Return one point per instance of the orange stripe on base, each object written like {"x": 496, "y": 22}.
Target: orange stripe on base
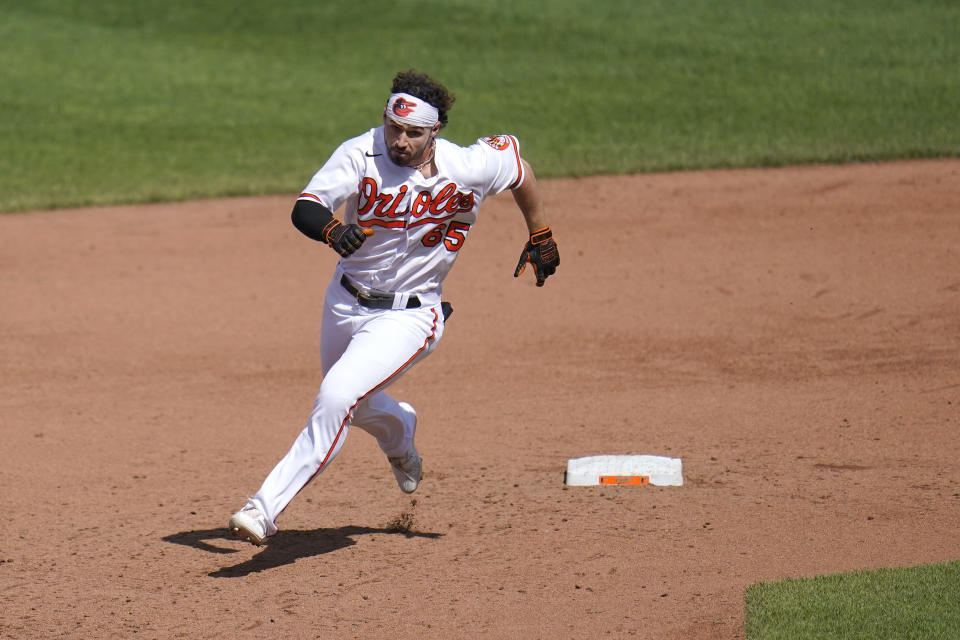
{"x": 624, "y": 479}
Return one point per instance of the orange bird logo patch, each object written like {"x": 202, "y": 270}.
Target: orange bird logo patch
{"x": 403, "y": 108}
{"x": 498, "y": 142}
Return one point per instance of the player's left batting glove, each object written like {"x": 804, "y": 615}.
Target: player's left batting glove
{"x": 344, "y": 238}
{"x": 540, "y": 251}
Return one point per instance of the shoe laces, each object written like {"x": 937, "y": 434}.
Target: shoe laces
{"x": 256, "y": 514}
{"x": 403, "y": 461}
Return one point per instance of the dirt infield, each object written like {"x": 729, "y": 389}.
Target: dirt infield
{"x": 793, "y": 335}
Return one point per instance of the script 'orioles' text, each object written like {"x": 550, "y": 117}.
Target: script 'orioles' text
{"x": 387, "y": 205}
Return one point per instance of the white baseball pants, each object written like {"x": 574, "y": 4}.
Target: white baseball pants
{"x": 363, "y": 351}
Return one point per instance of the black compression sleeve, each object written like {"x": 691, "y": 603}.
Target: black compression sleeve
{"x": 311, "y": 217}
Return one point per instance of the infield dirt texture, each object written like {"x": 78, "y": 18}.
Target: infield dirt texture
{"x": 791, "y": 334}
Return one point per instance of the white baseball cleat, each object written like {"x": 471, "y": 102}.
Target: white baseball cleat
{"x": 251, "y": 525}
{"x": 407, "y": 470}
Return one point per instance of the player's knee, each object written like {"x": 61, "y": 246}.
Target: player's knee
{"x": 336, "y": 400}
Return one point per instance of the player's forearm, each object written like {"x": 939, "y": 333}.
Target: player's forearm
{"x": 311, "y": 219}
{"x": 529, "y": 200}
{"x": 316, "y": 221}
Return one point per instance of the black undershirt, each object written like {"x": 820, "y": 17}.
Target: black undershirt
{"x": 310, "y": 218}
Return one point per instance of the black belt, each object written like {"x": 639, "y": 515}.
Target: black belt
{"x": 375, "y": 300}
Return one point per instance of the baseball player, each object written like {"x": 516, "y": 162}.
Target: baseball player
{"x": 410, "y": 201}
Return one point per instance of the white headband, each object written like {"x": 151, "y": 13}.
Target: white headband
{"x": 410, "y": 110}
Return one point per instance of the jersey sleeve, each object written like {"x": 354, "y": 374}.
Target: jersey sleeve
{"x": 501, "y": 159}
{"x": 337, "y": 179}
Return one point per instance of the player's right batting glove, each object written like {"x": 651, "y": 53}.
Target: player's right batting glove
{"x": 540, "y": 251}
{"x": 344, "y": 238}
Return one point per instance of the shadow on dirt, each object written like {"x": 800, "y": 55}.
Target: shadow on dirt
{"x": 284, "y": 548}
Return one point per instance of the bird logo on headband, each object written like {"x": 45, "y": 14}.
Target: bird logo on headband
{"x": 403, "y": 108}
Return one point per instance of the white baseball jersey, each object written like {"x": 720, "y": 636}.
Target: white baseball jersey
{"x": 419, "y": 223}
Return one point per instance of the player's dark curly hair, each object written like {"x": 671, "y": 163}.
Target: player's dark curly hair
{"x": 426, "y": 88}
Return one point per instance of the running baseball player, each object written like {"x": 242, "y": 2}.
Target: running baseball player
{"x": 411, "y": 200}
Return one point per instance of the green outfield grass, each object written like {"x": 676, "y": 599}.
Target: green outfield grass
{"x": 108, "y": 101}
{"x": 919, "y": 603}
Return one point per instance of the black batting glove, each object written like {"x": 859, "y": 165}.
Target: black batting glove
{"x": 344, "y": 238}
{"x": 540, "y": 251}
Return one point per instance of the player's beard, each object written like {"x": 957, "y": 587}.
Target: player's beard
{"x": 410, "y": 158}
